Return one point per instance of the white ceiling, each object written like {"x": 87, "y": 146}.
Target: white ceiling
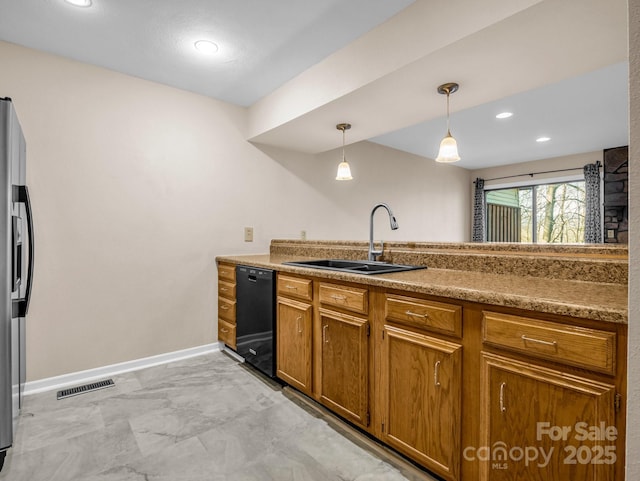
{"x": 302, "y": 66}
{"x": 586, "y": 113}
{"x": 262, "y": 44}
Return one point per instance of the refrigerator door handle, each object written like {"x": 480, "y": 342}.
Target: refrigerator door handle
{"x": 21, "y": 306}
{"x": 16, "y": 254}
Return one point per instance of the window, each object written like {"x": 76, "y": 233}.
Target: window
{"x": 546, "y": 213}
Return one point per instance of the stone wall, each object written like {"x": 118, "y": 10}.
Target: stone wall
{"x": 616, "y": 195}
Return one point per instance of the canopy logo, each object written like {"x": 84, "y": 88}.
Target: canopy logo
{"x": 499, "y": 454}
{"x": 595, "y": 451}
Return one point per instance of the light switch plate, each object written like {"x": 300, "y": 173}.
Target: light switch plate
{"x": 248, "y": 234}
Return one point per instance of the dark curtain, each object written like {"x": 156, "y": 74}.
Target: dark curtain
{"x": 592, "y": 220}
{"x": 477, "y": 235}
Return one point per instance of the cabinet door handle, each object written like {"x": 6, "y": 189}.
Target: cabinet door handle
{"x": 539, "y": 341}
{"x": 436, "y": 373}
{"x": 338, "y": 298}
{"x": 224, "y": 330}
{"x": 503, "y": 408}
{"x": 415, "y": 314}
{"x": 324, "y": 333}
{"x": 224, "y": 308}
{"x": 298, "y": 324}
{"x": 291, "y": 287}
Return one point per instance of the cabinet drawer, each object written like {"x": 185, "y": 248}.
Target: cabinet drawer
{"x": 578, "y": 346}
{"x": 227, "y": 310}
{"x": 227, "y": 289}
{"x": 227, "y": 272}
{"x": 295, "y": 287}
{"x": 227, "y": 333}
{"x": 350, "y": 298}
{"x": 423, "y": 314}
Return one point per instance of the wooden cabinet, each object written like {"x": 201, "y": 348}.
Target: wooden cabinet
{"x": 350, "y": 298}
{"x": 343, "y": 352}
{"x": 294, "y": 343}
{"x": 323, "y": 345}
{"x": 227, "y": 333}
{"x": 532, "y": 411}
{"x": 465, "y": 392}
{"x": 345, "y": 365}
{"x": 421, "y": 398}
{"x": 227, "y": 304}
{"x": 295, "y": 287}
{"x": 578, "y": 346}
{"x": 566, "y": 417}
{"x": 424, "y": 314}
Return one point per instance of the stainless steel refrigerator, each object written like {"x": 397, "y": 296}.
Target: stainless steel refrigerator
{"x": 16, "y": 270}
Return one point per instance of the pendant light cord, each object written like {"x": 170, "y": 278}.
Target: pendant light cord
{"x": 343, "y": 156}
{"x": 448, "y": 130}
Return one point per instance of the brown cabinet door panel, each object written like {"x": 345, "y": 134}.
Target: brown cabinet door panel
{"x": 345, "y": 365}
{"x": 293, "y": 362}
{"x": 422, "y": 382}
{"x": 547, "y": 413}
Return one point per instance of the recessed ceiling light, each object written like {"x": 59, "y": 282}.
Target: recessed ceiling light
{"x": 206, "y": 47}
{"x": 504, "y": 115}
{"x": 543, "y": 139}
{"x": 79, "y": 3}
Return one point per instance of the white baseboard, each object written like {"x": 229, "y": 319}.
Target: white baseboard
{"x": 81, "y": 377}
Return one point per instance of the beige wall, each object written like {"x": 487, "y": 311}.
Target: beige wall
{"x": 633, "y": 402}
{"x": 137, "y": 187}
{"x": 430, "y": 200}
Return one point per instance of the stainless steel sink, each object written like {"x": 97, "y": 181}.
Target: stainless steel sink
{"x": 355, "y": 267}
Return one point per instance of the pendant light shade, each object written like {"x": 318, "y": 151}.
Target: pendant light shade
{"x": 344, "y": 171}
{"x": 448, "y": 150}
{"x": 448, "y": 147}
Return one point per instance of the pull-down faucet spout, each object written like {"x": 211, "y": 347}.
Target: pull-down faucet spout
{"x": 373, "y": 254}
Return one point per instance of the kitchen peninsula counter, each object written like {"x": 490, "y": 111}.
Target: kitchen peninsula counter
{"x": 558, "y": 293}
{"x": 509, "y": 335}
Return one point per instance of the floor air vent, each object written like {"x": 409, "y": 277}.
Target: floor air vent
{"x": 94, "y": 386}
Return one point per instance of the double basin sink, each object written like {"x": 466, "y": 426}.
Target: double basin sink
{"x": 354, "y": 267}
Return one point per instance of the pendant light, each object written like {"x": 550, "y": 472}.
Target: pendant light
{"x": 344, "y": 171}
{"x": 448, "y": 147}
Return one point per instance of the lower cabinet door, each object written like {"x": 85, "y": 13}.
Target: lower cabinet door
{"x": 293, "y": 343}
{"x": 345, "y": 365}
{"x": 540, "y": 424}
{"x": 421, "y": 388}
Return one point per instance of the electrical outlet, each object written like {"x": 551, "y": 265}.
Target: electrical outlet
{"x": 248, "y": 234}
{"x": 303, "y": 234}
{"x": 610, "y": 234}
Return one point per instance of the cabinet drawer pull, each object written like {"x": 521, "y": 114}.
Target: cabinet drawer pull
{"x": 224, "y": 308}
{"x": 298, "y": 324}
{"x": 291, "y": 287}
{"x": 338, "y": 298}
{"x": 539, "y": 341}
{"x": 415, "y": 314}
{"x": 224, "y": 330}
{"x": 224, "y": 289}
{"x": 503, "y": 408}
{"x": 436, "y": 373}
{"x": 324, "y": 333}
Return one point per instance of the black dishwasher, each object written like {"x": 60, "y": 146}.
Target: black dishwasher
{"x": 256, "y": 317}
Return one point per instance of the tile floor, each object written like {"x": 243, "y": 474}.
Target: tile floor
{"x": 208, "y": 418}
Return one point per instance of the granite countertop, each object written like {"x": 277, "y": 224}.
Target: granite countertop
{"x": 591, "y": 300}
